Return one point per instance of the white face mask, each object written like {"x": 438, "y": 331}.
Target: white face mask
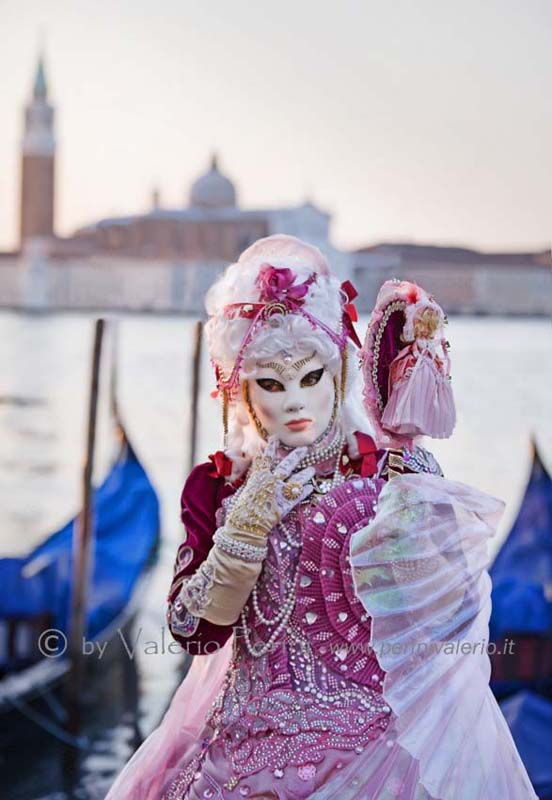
{"x": 294, "y": 399}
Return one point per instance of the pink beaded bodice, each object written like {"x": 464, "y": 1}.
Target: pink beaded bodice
{"x": 302, "y": 678}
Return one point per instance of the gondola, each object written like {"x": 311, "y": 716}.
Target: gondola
{"x": 522, "y": 593}
{"x": 35, "y": 590}
{"x": 521, "y": 628}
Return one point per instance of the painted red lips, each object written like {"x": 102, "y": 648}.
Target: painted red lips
{"x": 298, "y": 424}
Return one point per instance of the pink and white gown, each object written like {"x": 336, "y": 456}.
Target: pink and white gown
{"x": 358, "y": 668}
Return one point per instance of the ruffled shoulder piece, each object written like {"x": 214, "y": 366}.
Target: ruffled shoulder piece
{"x": 420, "y": 570}
{"x": 332, "y": 617}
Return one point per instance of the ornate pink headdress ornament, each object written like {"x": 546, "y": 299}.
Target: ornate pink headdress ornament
{"x": 280, "y": 294}
{"x": 406, "y": 366}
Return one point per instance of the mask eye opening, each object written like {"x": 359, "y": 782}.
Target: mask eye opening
{"x": 312, "y": 378}
{"x": 270, "y": 384}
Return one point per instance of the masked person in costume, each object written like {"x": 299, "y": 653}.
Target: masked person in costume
{"x": 324, "y": 573}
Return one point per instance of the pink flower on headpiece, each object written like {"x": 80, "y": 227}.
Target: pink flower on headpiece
{"x": 413, "y": 293}
{"x": 276, "y": 285}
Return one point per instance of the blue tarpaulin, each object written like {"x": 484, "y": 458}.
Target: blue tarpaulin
{"x": 126, "y": 533}
{"x": 522, "y": 570}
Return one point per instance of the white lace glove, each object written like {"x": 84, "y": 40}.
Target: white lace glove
{"x": 221, "y": 585}
{"x": 269, "y": 493}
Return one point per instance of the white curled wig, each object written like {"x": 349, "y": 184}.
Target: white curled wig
{"x": 281, "y": 331}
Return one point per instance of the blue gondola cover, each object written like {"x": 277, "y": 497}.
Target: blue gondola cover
{"x": 126, "y": 535}
{"x": 522, "y": 570}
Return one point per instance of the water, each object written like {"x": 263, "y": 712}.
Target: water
{"x": 501, "y": 378}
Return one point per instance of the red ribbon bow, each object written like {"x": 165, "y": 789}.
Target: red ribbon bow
{"x": 368, "y": 455}
{"x": 350, "y": 314}
{"x": 221, "y": 463}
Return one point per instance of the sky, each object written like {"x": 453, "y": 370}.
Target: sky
{"x": 426, "y": 121}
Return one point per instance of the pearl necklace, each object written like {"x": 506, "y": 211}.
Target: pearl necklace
{"x": 322, "y": 453}
{"x": 323, "y": 485}
{"x": 255, "y": 592}
{"x": 272, "y": 620}
{"x": 281, "y": 619}
{"x": 284, "y": 614}
{"x": 289, "y": 536}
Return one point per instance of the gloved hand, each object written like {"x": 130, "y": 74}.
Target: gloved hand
{"x": 269, "y": 493}
{"x": 219, "y": 588}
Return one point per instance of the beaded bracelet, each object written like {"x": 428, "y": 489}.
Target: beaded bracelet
{"x": 247, "y": 552}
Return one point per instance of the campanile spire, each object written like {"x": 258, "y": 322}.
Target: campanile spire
{"x": 38, "y": 161}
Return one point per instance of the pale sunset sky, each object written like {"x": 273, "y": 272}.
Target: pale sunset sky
{"x": 428, "y": 121}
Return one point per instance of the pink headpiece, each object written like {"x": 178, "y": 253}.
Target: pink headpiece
{"x": 280, "y": 294}
{"x": 406, "y": 366}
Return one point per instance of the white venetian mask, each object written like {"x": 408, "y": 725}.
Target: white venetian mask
{"x": 292, "y": 397}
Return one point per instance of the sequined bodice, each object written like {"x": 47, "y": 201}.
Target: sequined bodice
{"x": 287, "y": 682}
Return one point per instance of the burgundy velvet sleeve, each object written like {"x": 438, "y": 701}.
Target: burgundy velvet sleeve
{"x": 201, "y": 496}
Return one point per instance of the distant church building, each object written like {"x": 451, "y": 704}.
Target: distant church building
{"x": 164, "y": 259}
{"x": 211, "y": 228}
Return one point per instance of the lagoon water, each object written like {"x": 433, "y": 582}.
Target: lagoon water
{"x": 503, "y": 388}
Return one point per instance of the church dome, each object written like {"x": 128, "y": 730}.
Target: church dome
{"x": 213, "y": 189}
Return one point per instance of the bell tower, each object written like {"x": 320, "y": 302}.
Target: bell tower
{"x": 37, "y": 163}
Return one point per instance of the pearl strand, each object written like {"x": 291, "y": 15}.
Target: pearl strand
{"x": 289, "y": 536}
{"x": 257, "y": 652}
{"x": 255, "y": 592}
{"x": 336, "y": 480}
{"x": 323, "y": 453}
{"x": 281, "y": 619}
{"x": 337, "y": 477}
{"x": 265, "y": 620}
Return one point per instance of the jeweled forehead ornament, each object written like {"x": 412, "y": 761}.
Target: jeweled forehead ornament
{"x": 279, "y": 293}
{"x": 289, "y": 371}
{"x": 286, "y": 356}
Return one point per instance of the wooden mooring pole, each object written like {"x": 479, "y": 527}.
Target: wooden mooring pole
{"x": 196, "y": 373}
{"x": 83, "y": 539}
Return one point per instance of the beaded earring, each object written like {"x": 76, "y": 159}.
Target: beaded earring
{"x": 261, "y": 430}
{"x": 343, "y": 374}
{"x": 225, "y": 418}
{"x": 335, "y": 402}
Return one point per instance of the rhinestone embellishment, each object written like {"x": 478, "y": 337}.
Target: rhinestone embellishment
{"x": 306, "y": 772}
